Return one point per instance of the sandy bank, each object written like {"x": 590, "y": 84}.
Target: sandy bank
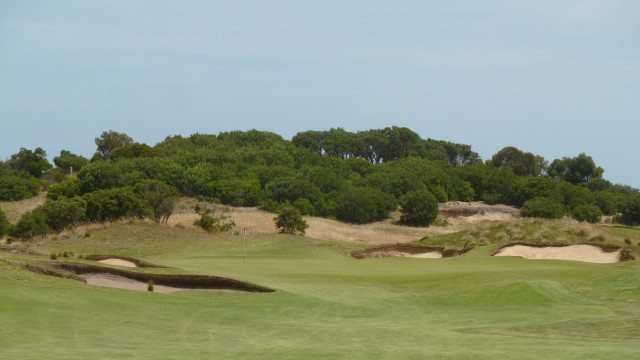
{"x": 586, "y": 253}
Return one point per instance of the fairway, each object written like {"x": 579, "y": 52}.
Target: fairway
{"x": 326, "y": 304}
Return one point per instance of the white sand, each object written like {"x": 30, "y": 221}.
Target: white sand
{"x": 118, "y": 262}
{"x": 586, "y": 253}
{"x": 393, "y": 253}
{"x": 119, "y": 282}
{"x": 427, "y": 255}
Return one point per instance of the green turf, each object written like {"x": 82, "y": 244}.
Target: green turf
{"x": 327, "y": 305}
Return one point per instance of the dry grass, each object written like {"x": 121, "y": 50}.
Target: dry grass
{"x": 15, "y": 209}
{"x": 256, "y": 221}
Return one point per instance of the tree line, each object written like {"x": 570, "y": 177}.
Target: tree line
{"x": 356, "y": 177}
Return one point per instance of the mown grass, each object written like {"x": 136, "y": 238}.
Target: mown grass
{"x": 327, "y": 304}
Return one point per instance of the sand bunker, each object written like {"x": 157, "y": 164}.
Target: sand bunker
{"x": 427, "y": 255}
{"x": 118, "y": 262}
{"x": 586, "y": 253}
{"x": 403, "y": 250}
{"x": 120, "y": 282}
{"x": 126, "y": 279}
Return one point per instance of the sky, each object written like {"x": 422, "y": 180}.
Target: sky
{"x": 555, "y": 78}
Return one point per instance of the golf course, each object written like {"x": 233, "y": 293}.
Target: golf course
{"x": 326, "y": 304}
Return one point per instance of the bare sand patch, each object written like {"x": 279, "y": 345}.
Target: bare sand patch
{"x": 118, "y": 262}
{"x": 404, "y": 250}
{"x": 392, "y": 253}
{"x": 477, "y": 211}
{"x": 585, "y": 253}
{"x": 427, "y": 255}
{"x": 121, "y": 282}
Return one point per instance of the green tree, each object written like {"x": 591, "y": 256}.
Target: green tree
{"x": 290, "y": 221}
{"x": 238, "y": 192}
{"x": 547, "y": 208}
{"x": 34, "y": 162}
{"x": 364, "y": 205}
{"x": 289, "y": 189}
{"x": 310, "y": 140}
{"x": 160, "y": 198}
{"x": 419, "y": 208}
{"x": 111, "y": 140}
{"x": 630, "y": 211}
{"x": 68, "y": 161}
{"x": 521, "y": 163}
{"x": 133, "y": 150}
{"x": 575, "y": 170}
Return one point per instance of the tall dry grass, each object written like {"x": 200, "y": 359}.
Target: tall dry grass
{"x": 15, "y": 209}
{"x": 256, "y": 221}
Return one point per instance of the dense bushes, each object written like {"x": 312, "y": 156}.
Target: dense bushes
{"x": 64, "y": 212}
{"x": 419, "y": 208}
{"x": 4, "y": 224}
{"x": 30, "y": 225}
{"x": 547, "y": 208}
{"x": 364, "y": 205}
{"x": 354, "y": 177}
{"x": 114, "y": 204}
{"x": 15, "y": 187}
{"x": 630, "y": 211}
{"x": 587, "y": 212}
{"x": 68, "y": 188}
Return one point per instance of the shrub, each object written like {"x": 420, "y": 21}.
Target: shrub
{"x": 630, "y": 211}
{"x": 30, "y": 225}
{"x": 160, "y": 198}
{"x": 114, "y": 204}
{"x": 439, "y": 192}
{"x": 64, "y": 212}
{"x": 214, "y": 218}
{"x": 419, "y": 208}
{"x": 4, "y": 224}
{"x": 364, "y": 205}
{"x": 15, "y": 187}
{"x": 305, "y": 206}
{"x": 238, "y": 192}
{"x": 68, "y": 188}
{"x": 589, "y": 213}
{"x": 290, "y": 221}
{"x": 542, "y": 208}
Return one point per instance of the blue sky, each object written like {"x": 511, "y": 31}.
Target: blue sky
{"x": 555, "y": 78}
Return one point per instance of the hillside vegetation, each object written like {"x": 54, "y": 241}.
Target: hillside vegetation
{"x": 357, "y": 177}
